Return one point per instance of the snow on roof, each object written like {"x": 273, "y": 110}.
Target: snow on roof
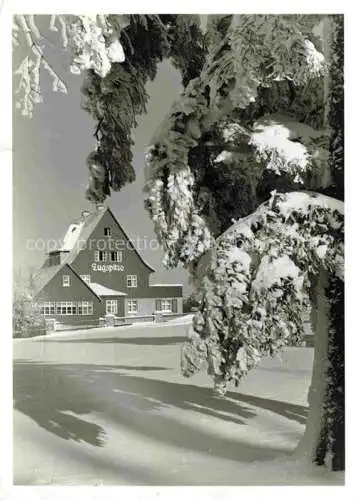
{"x": 43, "y": 276}
{"x": 72, "y": 235}
{"x": 103, "y": 290}
{"x": 86, "y": 228}
{"x": 78, "y": 232}
{"x": 166, "y": 284}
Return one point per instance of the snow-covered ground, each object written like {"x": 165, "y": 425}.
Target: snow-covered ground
{"x": 109, "y": 406}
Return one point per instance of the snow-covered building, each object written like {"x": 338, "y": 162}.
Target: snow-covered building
{"x": 98, "y": 271}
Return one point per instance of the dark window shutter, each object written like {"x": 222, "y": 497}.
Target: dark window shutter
{"x": 158, "y": 305}
{"x": 174, "y": 305}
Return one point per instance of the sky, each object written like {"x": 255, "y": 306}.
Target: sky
{"x": 50, "y": 173}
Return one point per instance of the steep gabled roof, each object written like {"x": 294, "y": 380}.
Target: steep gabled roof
{"x": 45, "y": 275}
{"x": 80, "y": 231}
{"x": 126, "y": 236}
{"x": 84, "y": 229}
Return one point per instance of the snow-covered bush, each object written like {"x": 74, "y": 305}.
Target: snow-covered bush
{"x": 26, "y": 318}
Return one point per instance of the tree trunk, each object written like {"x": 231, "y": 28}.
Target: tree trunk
{"x": 323, "y": 442}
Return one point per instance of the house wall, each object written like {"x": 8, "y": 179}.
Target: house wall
{"x": 131, "y": 263}
{"x": 146, "y": 307}
{"x": 120, "y": 306}
{"x": 164, "y": 292}
{"x": 83, "y": 264}
{"x": 54, "y": 291}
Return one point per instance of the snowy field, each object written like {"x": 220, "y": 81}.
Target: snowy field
{"x": 109, "y": 406}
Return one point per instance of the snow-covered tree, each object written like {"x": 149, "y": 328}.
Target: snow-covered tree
{"x": 26, "y": 317}
{"x": 260, "y": 117}
{"x": 244, "y": 178}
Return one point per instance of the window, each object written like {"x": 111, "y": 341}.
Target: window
{"x": 100, "y": 256}
{"x": 66, "y": 280}
{"x": 52, "y": 308}
{"x": 85, "y": 308}
{"x": 131, "y": 281}
{"x": 116, "y": 256}
{"x": 107, "y": 231}
{"x": 132, "y": 306}
{"x": 66, "y": 308}
{"x": 86, "y": 278}
{"x": 47, "y": 308}
{"x": 111, "y": 307}
{"x": 166, "y": 305}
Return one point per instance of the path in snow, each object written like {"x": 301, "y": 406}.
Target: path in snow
{"x": 110, "y": 407}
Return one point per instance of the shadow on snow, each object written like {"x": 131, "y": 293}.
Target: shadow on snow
{"x": 57, "y": 396}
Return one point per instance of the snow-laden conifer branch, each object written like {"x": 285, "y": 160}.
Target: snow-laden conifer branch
{"x": 257, "y": 283}
{"x": 117, "y": 99}
{"x": 257, "y": 52}
{"x": 260, "y": 50}
{"x": 94, "y": 44}
{"x": 29, "y": 86}
{"x": 287, "y": 146}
